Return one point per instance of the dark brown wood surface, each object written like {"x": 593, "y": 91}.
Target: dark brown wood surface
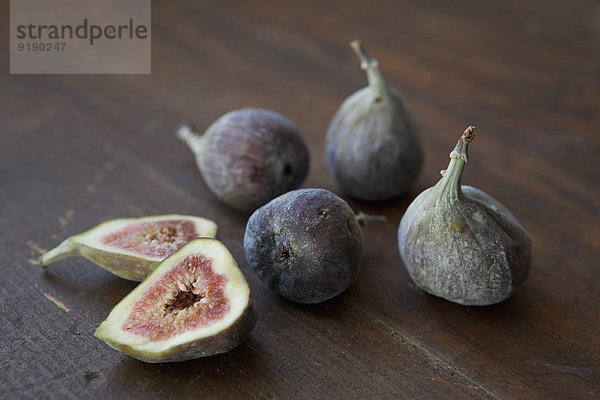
{"x": 78, "y": 150}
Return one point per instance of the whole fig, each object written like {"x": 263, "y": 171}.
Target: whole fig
{"x": 249, "y": 156}
{"x": 305, "y": 244}
{"x": 372, "y": 145}
{"x": 461, "y": 244}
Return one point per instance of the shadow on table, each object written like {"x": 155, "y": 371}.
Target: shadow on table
{"x": 244, "y": 369}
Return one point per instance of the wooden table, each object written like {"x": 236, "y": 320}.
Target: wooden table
{"x": 78, "y": 150}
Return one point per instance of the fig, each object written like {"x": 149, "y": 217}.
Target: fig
{"x": 132, "y": 247}
{"x": 249, "y": 156}
{"x": 306, "y": 245}
{"x": 196, "y": 303}
{"x": 461, "y": 244}
{"x": 372, "y": 145}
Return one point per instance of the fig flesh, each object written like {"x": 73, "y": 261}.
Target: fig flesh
{"x": 372, "y": 145}
{"x": 461, "y": 244}
{"x": 196, "y": 303}
{"x": 249, "y": 156}
{"x": 306, "y": 245}
{"x": 132, "y": 247}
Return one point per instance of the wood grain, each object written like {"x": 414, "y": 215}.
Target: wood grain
{"x": 77, "y": 150}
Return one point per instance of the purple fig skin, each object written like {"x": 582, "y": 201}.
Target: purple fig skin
{"x": 306, "y": 245}
{"x": 250, "y": 156}
{"x": 372, "y": 145}
{"x": 461, "y": 244}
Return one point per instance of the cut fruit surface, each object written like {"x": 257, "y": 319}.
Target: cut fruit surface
{"x": 152, "y": 238}
{"x": 132, "y": 247}
{"x": 196, "y": 303}
{"x": 190, "y": 295}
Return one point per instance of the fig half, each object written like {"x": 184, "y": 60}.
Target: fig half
{"x": 132, "y": 247}
{"x": 196, "y": 303}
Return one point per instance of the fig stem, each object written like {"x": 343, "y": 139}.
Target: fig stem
{"x": 451, "y": 178}
{"x": 364, "y": 219}
{"x": 185, "y": 132}
{"x": 371, "y": 66}
{"x": 64, "y": 250}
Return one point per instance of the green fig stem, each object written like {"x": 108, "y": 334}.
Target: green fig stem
{"x": 192, "y": 139}
{"x": 451, "y": 177}
{"x": 371, "y": 66}
{"x": 364, "y": 219}
{"x": 64, "y": 250}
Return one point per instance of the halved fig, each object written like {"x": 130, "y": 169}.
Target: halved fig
{"x": 132, "y": 247}
{"x": 196, "y": 303}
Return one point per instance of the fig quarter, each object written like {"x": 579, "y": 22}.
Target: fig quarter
{"x": 132, "y": 247}
{"x": 196, "y": 303}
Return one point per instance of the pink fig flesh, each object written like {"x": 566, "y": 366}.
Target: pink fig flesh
{"x": 196, "y": 303}
{"x": 182, "y": 301}
{"x": 132, "y": 247}
{"x": 153, "y": 239}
